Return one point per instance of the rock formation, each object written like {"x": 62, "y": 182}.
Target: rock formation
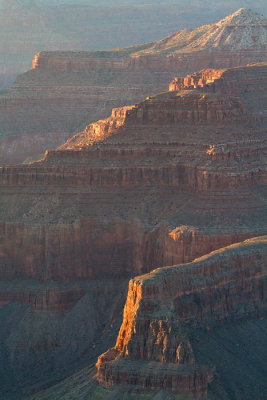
{"x": 196, "y": 80}
{"x": 28, "y": 26}
{"x": 193, "y": 148}
{"x": 65, "y": 91}
{"x": 162, "y": 182}
{"x": 153, "y": 349}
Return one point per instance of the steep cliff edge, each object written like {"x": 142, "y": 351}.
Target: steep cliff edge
{"x": 232, "y": 81}
{"x": 159, "y": 110}
{"x": 166, "y": 174}
{"x": 57, "y": 25}
{"x": 172, "y": 178}
{"x": 165, "y": 305}
{"x": 65, "y": 91}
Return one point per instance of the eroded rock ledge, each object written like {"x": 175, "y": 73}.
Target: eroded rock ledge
{"x": 66, "y": 90}
{"x": 153, "y": 348}
{"x": 198, "y": 79}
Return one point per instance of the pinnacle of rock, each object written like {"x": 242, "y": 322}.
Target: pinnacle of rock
{"x": 242, "y": 30}
{"x": 243, "y": 16}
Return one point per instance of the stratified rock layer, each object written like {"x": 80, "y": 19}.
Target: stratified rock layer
{"x": 65, "y": 91}
{"x": 150, "y": 185}
{"x": 196, "y": 80}
{"x": 164, "y": 305}
{"x": 172, "y": 178}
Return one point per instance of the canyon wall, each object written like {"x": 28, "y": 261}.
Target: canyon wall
{"x": 91, "y": 250}
{"x": 125, "y": 186}
{"x": 164, "y": 305}
{"x": 49, "y": 330}
{"x": 172, "y": 178}
{"x": 67, "y": 90}
{"x": 162, "y": 110}
{"x": 232, "y": 82}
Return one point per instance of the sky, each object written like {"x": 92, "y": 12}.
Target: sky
{"x": 30, "y": 26}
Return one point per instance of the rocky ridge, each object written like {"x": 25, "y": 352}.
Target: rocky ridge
{"x": 164, "y": 305}
{"x": 57, "y": 25}
{"x": 155, "y": 184}
{"x": 65, "y": 91}
{"x": 195, "y": 142}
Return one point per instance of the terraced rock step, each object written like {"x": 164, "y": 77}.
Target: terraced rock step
{"x": 154, "y": 185}
{"x": 67, "y": 90}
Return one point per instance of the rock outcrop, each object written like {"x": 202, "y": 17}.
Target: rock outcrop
{"x": 192, "y": 151}
{"x": 65, "y": 91}
{"x": 172, "y": 178}
{"x": 160, "y": 110}
{"x": 153, "y": 347}
{"x": 53, "y": 25}
{"x": 196, "y": 80}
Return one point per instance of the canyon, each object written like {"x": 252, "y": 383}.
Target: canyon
{"x": 153, "y": 349}
{"x": 29, "y": 26}
{"x": 67, "y": 90}
{"x": 170, "y": 179}
{"x": 131, "y": 177}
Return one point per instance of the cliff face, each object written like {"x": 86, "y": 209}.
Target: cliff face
{"x": 141, "y": 187}
{"x": 172, "y": 178}
{"x": 163, "y": 306}
{"x": 90, "y": 249}
{"x": 65, "y": 91}
{"x": 243, "y": 81}
{"x": 160, "y": 110}
{"x": 198, "y": 79}
{"x": 53, "y": 25}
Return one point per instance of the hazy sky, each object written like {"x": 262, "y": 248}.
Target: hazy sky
{"x": 30, "y": 26}
{"x": 215, "y": 4}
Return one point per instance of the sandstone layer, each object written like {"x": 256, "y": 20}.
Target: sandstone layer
{"x": 162, "y": 182}
{"x": 165, "y": 174}
{"x": 65, "y": 91}
{"x": 153, "y": 349}
{"x": 28, "y": 26}
{"x": 196, "y": 80}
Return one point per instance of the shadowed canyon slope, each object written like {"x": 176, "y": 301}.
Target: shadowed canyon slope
{"x": 209, "y": 313}
{"x": 153, "y": 348}
{"x": 162, "y": 182}
{"x": 67, "y": 90}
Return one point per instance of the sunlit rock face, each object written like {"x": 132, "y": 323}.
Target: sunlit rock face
{"x": 147, "y": 186}
{"x": 162, "y": 182}
{"x": 196, "y": 80}
{"x": 65, "y": 90}
{"x": 153, "y": 349}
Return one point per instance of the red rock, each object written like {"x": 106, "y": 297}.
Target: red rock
{"x": 196, "y": 80}
{"x": 156, "y": 190}
{"x": 164, "y": 305}
{"x": 65, "y": 91}
{"x": 154, "y": 184}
